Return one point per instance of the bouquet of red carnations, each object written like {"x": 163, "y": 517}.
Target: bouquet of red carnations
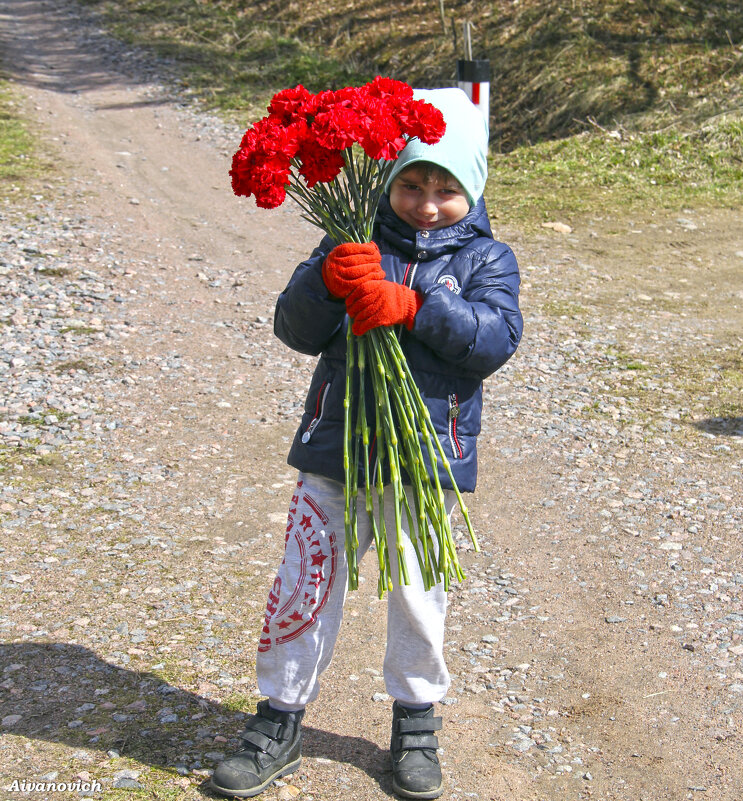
{"x": 332, "y": 152}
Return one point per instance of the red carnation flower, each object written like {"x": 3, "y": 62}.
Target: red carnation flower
{"x": 271, "y": 195}
{"x": 262, "y": 165}
{"x": 388, "y": 88}
{"x": 319, "y": 164}
{"x": 423, "y": 120}
{"x": 379, "y": 133}
{"x": 336, "y": 128}
{"x": 286, "y": 106}
{"x": 316, "y": 104}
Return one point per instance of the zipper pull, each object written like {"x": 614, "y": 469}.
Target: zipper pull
{"x": 453, "y": 407}
{"x": 321, "y": 395}
{"x": 308, "y": 433}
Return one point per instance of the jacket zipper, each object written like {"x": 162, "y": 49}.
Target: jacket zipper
{"x": 410, "y": 271}
{"x": 456, "y": 448}
{"x": 319, "y": 409}
{"x": 407, "y": 280}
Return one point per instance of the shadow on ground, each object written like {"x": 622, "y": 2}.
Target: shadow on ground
{"x": 721, "y": 426}
{"x": 67, "y": 694}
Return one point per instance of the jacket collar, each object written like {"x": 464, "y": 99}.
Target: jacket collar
{"x": 433, "y": 243}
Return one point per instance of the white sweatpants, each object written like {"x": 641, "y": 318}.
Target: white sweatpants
{"x": 305, "y": 605}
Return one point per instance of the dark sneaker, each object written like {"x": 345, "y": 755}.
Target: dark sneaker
{"x": 271, "y": 748}
{"x": 415, "y": 767}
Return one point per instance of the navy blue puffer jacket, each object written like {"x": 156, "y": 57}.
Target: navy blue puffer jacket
{"x": 468, "y": 326}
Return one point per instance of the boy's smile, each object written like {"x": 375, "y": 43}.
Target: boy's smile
{"x": 427, "y": 202}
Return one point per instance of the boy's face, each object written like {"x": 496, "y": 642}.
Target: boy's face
{"x": 427, "y": 203}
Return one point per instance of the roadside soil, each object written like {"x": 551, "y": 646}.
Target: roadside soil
{"x": 596, "y": 646}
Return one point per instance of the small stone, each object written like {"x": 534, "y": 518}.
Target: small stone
{"x": 127, "y": 784}
{"x": 614, "y": 619}
{"x": 380, "y": 697}
{"x": 127, "y": 773}
{"x": 558, "y": 227}
{"x": 11, "y": 720}
{"x": 522, "y": 745}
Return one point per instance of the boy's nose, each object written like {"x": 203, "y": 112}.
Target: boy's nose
{"x": 427, "y": 206}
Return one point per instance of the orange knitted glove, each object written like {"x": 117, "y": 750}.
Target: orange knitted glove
{"x": 377, "y": 303}
{"x": 349, "y": 265}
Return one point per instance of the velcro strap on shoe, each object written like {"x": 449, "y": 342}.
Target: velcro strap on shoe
{"x": 261, "y": 742}
{"x": 418, "y": 742}
{"x": 265, "y": 726}
{"x": 405, "y": 725}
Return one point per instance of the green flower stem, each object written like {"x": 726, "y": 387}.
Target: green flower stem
{"x": 352, "y": 182}
{"x": 380, "y": 545}
{"x": 427, "y": 417}
{"x": 447, "y": 549}
{"x": 351, "y": 548}
{"x": 385, "y": 580}
{"x": 379, "y": 377}
{"x": 410, "y": 458}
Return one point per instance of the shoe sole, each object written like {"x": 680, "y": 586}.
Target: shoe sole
{"x": 249, "y": 793}
{"x": 426, "y": 794}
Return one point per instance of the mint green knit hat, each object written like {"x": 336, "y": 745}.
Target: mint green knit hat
{"x": 462, "y": 150}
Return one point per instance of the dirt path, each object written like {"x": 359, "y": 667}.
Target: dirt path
{"x": 597, "y": 645}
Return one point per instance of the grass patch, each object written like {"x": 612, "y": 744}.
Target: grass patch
{"x": 687, "y": 386}
{"x": 620, "y": 359}
{"x": 726, "y": 381}
{"x": 605, "y": 173}
{"x": 239, "y": 702}
{"x": 73, "y": 366}
{"x": 20, "y": 165}
{"x": 53, "y": 272}
{"x": 79, "y": 330}
{"x": 555, "y": 64}
{"x": 42, "y": 418}
{"x": 563, "y": 308}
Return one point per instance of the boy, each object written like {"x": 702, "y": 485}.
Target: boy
{"x": 435, "y": 271}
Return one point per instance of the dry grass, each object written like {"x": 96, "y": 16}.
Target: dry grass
{"x": 554, "y": 65}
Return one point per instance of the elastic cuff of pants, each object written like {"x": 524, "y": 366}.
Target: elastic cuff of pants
{"x": 280, "y": 706}
{"x": 413, "y": 706}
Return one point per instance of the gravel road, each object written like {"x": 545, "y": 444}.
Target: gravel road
{"x": 596, "y": 646}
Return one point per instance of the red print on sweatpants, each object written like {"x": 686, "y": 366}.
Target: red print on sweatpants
{"x": 314, "y": 552}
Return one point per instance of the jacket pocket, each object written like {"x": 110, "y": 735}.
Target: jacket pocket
{"x": 322, "y": 395}
{"x": 456, "y": 448}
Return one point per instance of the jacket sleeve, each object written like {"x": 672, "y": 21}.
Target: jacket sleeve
{"x": 480, "y": 328}
{"x": 306, "y": 315}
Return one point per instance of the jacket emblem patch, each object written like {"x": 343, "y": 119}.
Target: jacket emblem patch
{"x": 451, "y": 283}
